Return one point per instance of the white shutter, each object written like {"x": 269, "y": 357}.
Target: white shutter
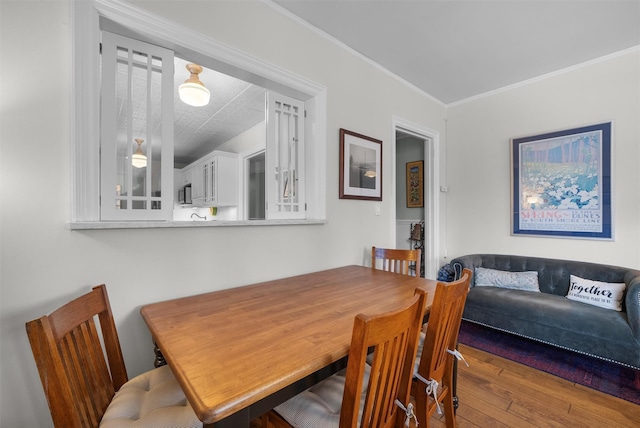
{"x": 136, "y": 103}
{"x": 285, "y": 175}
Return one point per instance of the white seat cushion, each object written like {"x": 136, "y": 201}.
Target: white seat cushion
{"x": 319, "y": 406}
{"x": 153, "y": 399}
{"x": 419, "y": 353}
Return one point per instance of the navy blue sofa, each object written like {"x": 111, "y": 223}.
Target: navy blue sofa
{"x": 551, "y": 317}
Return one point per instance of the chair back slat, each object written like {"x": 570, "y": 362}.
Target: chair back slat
{"x": 394, "y": 355}
{"x": 68, "y": 348}
{"x": 393, "y": 336}
{"x": 88, "y": 373}
{"x": 405, "y": 262}
{"x": 78, "y": 382}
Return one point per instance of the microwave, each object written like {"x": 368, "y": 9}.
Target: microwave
{"x": 184, "y": 195}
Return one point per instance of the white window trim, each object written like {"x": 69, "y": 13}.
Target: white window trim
{"x": 85, "y": 209}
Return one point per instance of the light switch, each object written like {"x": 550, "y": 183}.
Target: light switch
{"x": 377, "y": 208}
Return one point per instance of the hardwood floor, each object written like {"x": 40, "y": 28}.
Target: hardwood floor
{"x": 496, "y": 392}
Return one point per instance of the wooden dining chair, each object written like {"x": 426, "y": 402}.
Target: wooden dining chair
{"x": 371, "y": 394}
{"x": 83, "y": 388}
{"x": 394, "y": 260}
{"x": 433, "y": 382}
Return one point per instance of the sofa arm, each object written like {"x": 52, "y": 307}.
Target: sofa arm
{"x": 467, "y": 262}
{"x": 632, "y": 304}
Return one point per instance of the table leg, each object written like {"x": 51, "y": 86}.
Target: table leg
{"x": 159, "y": 361}
{"x": 239, "y": 419}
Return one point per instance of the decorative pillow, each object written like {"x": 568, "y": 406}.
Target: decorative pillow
{"x": 603, "y": 294}
{"x": 526, "y": 281}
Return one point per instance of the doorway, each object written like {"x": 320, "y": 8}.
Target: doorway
{"x": 255, "y": 179}
{"x": 409, "y": 211}
{"x": 411, "y": 143}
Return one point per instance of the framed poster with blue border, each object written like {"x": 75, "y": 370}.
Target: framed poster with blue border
{"x": 561, "y": 183}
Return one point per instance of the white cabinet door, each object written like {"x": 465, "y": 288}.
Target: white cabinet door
{"x": 210, "y": 180}
{"x": 226, "y": 182}
{"x": 186, "y": 176}
{"x": 215, "y": 180}
{"x": 197, "y": 183}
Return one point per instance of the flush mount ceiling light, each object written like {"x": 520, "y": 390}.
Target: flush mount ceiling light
{"x": 192, "y": 91}
{"x": 139, "y": 160}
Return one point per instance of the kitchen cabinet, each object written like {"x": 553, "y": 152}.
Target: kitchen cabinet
{"x": 197, "y": 185}
{"x": 215, "y": 180}
{"x": 186, "y": 176}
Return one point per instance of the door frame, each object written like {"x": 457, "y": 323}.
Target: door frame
{"x": 243, "y": 179}
{"x": 431, "y": 189}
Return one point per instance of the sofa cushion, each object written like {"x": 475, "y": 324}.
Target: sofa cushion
{"x": 555, "y": 312}
{"x": 555, "y": 320}
{"x": 525, "y": 281}
{"x": 603, "y": 294}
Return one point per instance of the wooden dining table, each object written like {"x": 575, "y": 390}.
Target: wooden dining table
{"x": 239, "y": 352}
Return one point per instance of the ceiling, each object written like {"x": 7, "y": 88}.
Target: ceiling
{"x": 452, "y": 50}
{"x": 235, "y": 107}
{"x": 455, "y": 49}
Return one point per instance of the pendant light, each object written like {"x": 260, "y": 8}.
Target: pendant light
{"x": 192, "y": 91}
{"x": 139, "y": 160}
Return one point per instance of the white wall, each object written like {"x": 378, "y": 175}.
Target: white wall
{"x": 43, "y": 264}
{"x": 478, "y": 159}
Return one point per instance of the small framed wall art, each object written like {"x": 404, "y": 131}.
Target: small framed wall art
{"x": 415, "y": 184}
{"x": 561, "y": 183}
{"x": 360, "y": 167}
